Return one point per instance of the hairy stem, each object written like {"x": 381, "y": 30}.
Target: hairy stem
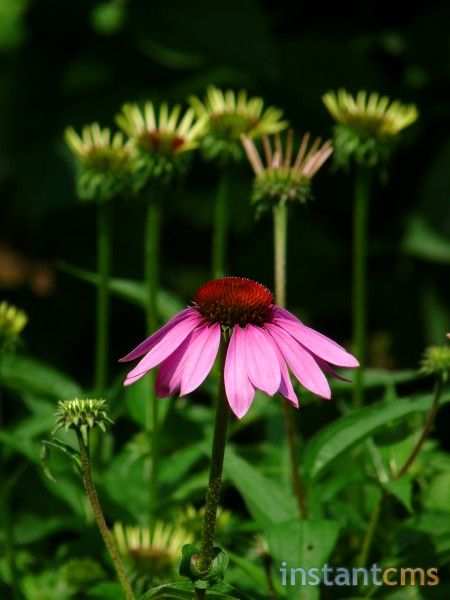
{"x": 220, "y": 226}
{"x": 215, "y": 474}
{"x": 429, "y": 420}
{"x": 280, "y": 221}
{"x": 100, "y": 519}
{"x": 104, "y": 245}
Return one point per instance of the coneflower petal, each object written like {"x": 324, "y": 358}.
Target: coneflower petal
{"x": 203, "y": 347}
{"x": 239, "y": 390}
{"x": 151, "y": 341}
{"x": 300, "y": 361}
{"x": 314, "y": 341}
{"x": 286, "y": 388}
{"x": 263, "y": 368}
{"x": 168, "y": 380}
{"x": 165, "y": 346}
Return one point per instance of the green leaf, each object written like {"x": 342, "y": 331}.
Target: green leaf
{"x": 185, "y": 591}
{"x": 167, "y": 303}
{"x": 402, "y": 489}
{"x": 265, "y": 499}
{"x": 106, "y": 591}
{"x": 46, "y": 446}
{"x": 29, "y": 375}
{"x": 423, "y": 242}
{"x": 300, "y": 544}
{"x": 374, "y": 378}
{"x": 348, "y": 431}
{"x": 30, "y": 528}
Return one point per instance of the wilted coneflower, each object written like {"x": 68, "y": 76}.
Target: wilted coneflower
{"x": 104, "y": 162}
{"x": 281, "y": 175}
{"x": 367, "y": 128}
{"x": 104, "y": 166}
{"x": 162, "y": 140}
{"x": 367, "y": 125}
{"x": 229, "y": 115}
{"x": 152, "y": 553}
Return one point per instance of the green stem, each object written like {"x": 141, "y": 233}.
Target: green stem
{"x": 100, "y": 519}
{"x": 215, "y": 474}
{"x": 360, "y": 238}
{"x": 151, "y": 268}
{"x": 104, "y": 244}
{"x": 280, "y": 223}
{"x": 429, "y": 420}
{"x": 220, "y": 226}
{"x": 280, "y": 220}
{"x": 370, "y": 532}
{"x": 5, "y": 507}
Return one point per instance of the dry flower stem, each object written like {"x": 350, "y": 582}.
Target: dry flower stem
{"x": 100, "y": 519}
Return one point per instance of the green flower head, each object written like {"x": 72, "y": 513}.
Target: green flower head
{"x": 436, "y": 361}
{"x": 229, "y": 116}
{"x": 162, "y": 140}
{"x": 12, "y": 322}
{"x": 367, "y": 125}
{"x": 104, "y": 163}
{"x": 280, "y": 175}
{"x": 82, "y": 416}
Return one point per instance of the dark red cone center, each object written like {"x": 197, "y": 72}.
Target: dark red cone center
{"x": 234, "y": 301}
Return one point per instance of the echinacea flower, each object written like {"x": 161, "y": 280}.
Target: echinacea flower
{"x": 162, "y": 140}
{"x": 229, "y": 116}
{"x": 281, "y": 176}
{"x": 104, "y": 162}
{"x": 366, "y": 125}
{"x": 82, "y": 415}
{"x": 263, "y": 342}
{"x": 436, "y": 361}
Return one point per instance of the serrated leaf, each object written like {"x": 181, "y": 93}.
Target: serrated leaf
{"x": 348, "y": 431}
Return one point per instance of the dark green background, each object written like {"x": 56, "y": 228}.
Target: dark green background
{"x": 74, "y": 62}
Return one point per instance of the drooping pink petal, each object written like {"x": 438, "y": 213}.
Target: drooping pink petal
{"x": 151, "y": 341}
{"x": 200, "y": 356}
{"x": 329, "y": 370}
{"x": 317, "y": 343}
{"x": 168, "y": 379}
{"x": 263, "y": 368}
{"x": 285, "y": 388}
{"x": 239, "y": 390}
{"x": 165, "y": 346}
{"x": 300, "y": 361}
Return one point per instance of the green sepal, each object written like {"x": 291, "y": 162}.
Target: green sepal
{"x": 215, "y": 573}
{"x": 46, "y": 446}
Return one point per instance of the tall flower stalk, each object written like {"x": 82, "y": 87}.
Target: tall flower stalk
{"x": 258, "y": 340}
{"x": 163, "y": 142}
{"x": 82, "y": 416}
{"x": 279, "y": 180}
{"x": 365, "y": 134}
{"x": 103, "y": 173}
{"x": 228, "y": 116}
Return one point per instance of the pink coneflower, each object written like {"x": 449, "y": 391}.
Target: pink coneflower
{"x": 264, "y": 341}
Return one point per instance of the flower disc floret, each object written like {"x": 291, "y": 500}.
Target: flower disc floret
{"x": 232, "y": 301}
{"x": 262, "y": 342}
{"x": 436, "y": 361}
